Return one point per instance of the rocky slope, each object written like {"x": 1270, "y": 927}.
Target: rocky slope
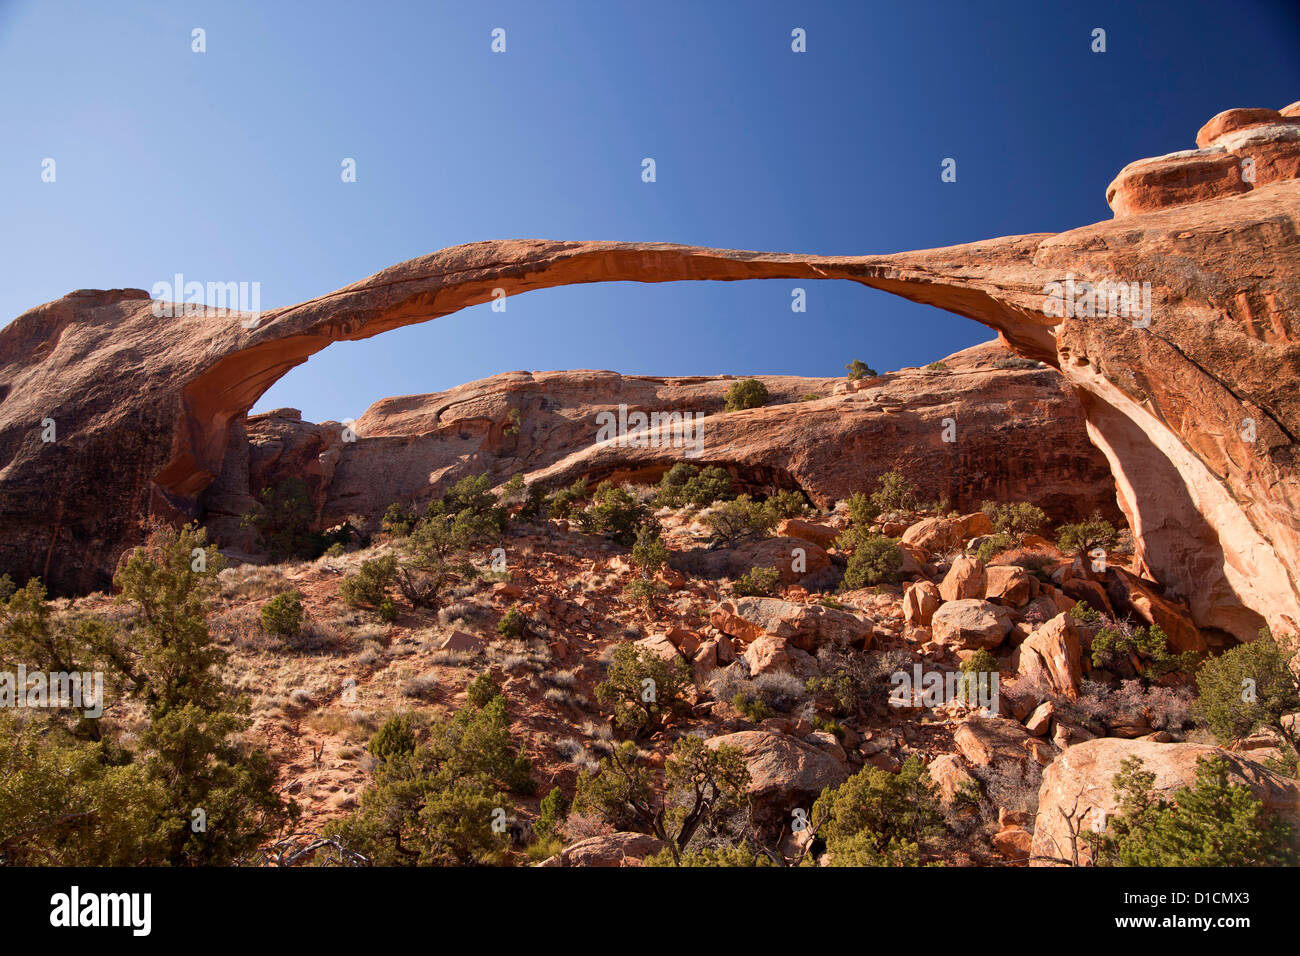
{"x": 1018, "y": 434}
{"x": 1055, "y": 734}
{"x": 1196, "y": 412}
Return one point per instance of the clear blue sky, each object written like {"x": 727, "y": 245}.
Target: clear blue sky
{"x": 225, "y": 165}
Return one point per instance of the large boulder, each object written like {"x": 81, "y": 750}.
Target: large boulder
{"x": 934, "y": 535}
{"x": 920, "y": 601}
{"x": 785, "y": 773}
{"x": 1009, "y": 586}
{"x": 612, "y": 849}
{"x": 805, "y": 626}
{"x": 1052, "y": 650}
{"x": 970, "y": 624}
{"x": 1079, "y": 782}
{"x": 992, "y": 741}
{"x": 965, "y": 579}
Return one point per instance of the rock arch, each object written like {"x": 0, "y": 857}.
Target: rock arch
{"x": 145, "y": 405}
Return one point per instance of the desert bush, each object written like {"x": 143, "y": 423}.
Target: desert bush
{"x": 1087, "y": 536}
{"x": 877, "y": 818}
{"x": 1211, "y": 823}
{"x": 649, "y": 553}
{"x": 741, "y": 518}
{"x": 1114, "y": 644}
{"x": 433, "y": 802}
{"x": 757, "y": 582}
{"x": 283, "y": 520}
{"x": 685, "y": 484}
{"x": 369, "y": 586}
{"x": 859, "y": 369}
{"x": 512, "y": 624}
{"x": 1015, "y": 518}
{"x": 640, "y": 688}
{"x": 875, "y": 558}
{"x": 746, "y": 393}
{"x": 703, "y": 787}
{"x": 779, "y": 691}
{"x": 614, "y": 511}
{"x": 788, "y": 504}
{"x": 282, "y": 615}
{"x": 1246, "y": 689}
{"x": 894, "y": 493}
{"x": 992, "y": 546}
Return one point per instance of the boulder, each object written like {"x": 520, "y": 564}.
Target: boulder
{"x": 1053, "y": 649}
{"x": 785, "y": 773}
{"x": 1009, "y": 586}
{"x": 819, "y": 534}
{"x": 1079, "y": 782}
{"x": 767, "y": 655}
{"x": 460, "y": 641}
{"x": 920, "y": 601}
{"x": 991, "y": 741}
{"x": 965, "y": 579}
{"x": 934, "y": 535}
{"x": 612, "y": 849}
{"x": 970, "y": 624}
{"x": 805, "y": 626}
{"x": 949, "y": 775}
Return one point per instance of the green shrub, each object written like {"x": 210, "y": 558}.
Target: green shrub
{"x": 1248, "y": 688}
{"x": 641, "y": 688}
{"x": 398, "y": 520}
{"x": 937, "y": 367}
{"x": 715, "y": 856}
{"x": 394, "y": 740}
{"x": 704, "y": 787}
{"x": 369, "y": 586}
{"x": 877, "y": 818}
{"x": 283, "y": 520}
{"x": 1087, "y": 536}
{"x": 992, "y": 546}
{"x": 788, "y": 504}
{"x": 894, "y": 493}
{"x": 758, "y": 582}
{"x": 482, "y": 690}
{"x": 643, "y": 592}
{"x": 551, "y": 815}
{"x": 1212, "y": 823}
{"x": 387, "y": 609}
{"x": 862, "y": 510}
{"x": 859, "y": 369}
{"x": 747, "y": 393}
{"x": 1015, "y": 519}
{"x": 741, "y": 518}
{"x": 1114, "y": 644}
{"x": 614, "y": 511}
{"x": 512, "y": 624}
{"x": 649, "y": 553}
{"x": 282, "y": 615}
{"x": 875, "y": 559}
{"x": 567, "y": 502}
{"x": 433, "y": 804}
{"x": 685, "y": 484}
{"x": 753, "y": 708}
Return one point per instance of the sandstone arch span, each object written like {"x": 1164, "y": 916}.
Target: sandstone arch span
{"x": 145, "y": 406}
